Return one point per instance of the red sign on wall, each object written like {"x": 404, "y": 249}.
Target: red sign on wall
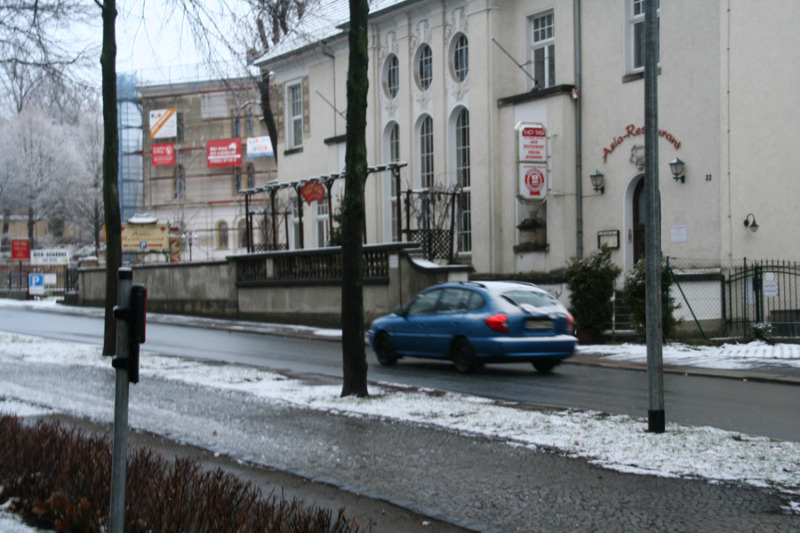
{"x": 163, "y": 154}
{"x": 20, "y": 249}
{"x": 224, "y": 153}
{"x": 313, "y": 191}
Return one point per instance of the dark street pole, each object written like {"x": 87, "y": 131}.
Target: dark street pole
{"x": 655, "y": 365}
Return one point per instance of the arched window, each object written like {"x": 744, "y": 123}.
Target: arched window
{"x": 463, "y": 182}
{"x": 426, "y": 152}
{"x": 460, "y": 57}
{"x": 179, "y": 188}
{"x": 392, "y": 76}
{"x": 222, "y": 235}
{"x": 424, "y": 67}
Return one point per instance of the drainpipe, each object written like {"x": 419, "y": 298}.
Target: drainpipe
{"x": 576, "y": 15}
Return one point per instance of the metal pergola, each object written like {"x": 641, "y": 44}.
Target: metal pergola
{"x": 328, "y": 180}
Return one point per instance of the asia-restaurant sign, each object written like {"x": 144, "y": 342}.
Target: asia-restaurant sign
{"x": 313, "y": 191}
{"x": 533, "y": 181}
{"x": 20, "y": 249}
{"x": 145, "y": 238}
{"x": 259, "y": 147}
{"x": 162, "y": 155}
{"x": 224, "y": 153}
{"x": 532, "y": 142}
{"x": 163, "y": 123}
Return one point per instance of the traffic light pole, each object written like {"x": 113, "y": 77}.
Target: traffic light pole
{"x": 120, "y": 453}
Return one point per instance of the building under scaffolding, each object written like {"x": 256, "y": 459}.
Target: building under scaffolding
{"x": 129, "y": 120}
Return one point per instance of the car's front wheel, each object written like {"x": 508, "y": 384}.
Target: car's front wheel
{"x": 463, "y": 356}
{"x": 384, "y": 350}
{"x": 545, "y": 366}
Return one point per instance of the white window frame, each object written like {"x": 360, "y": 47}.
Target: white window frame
{"x": 463, "y": 181}
{"x": 391, "y": 150}
{"x": 391, "y": 76}
{"x": 322, "y": 231}
{"x": 424, "y": 66}
{"x": 634, "y": 35}
{"x": 542, "y": 39}
{"x": 427, "y": 154}
{"x": 294, "y": 115}
{"x": 459, "y": 57}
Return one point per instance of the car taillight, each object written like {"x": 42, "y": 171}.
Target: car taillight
{"x": 570, "y": 324}
{"x": 498, "y": 323}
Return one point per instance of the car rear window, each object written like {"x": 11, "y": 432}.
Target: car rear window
{"x": 534, "y": 298}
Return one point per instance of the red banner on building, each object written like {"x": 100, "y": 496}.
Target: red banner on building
{"x": 224, "y": 153}
{"x": 163, "y": 155}
{"x": 20, "y": 249}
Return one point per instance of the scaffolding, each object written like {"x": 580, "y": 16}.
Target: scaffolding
{"x": 129, "y": 112}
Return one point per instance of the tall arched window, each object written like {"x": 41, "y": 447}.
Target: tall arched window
{"x": 460, "y": 57}
{"x": 424, "y": 67}
{"x": 426, "y": 152}
{"x": 463, "y": 182}
{"x": 393, "y": 149}
{"x": 222, "y": 235}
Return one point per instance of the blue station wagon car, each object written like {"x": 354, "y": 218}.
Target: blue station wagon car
{"x": 478, "y": 322}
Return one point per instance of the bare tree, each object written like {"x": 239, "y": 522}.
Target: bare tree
{"x": 354, "y": 355}
{"x": 108, "y": 60}
{"x": 87, "y": 211}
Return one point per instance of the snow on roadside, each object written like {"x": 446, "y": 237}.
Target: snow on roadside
{"x": 612, "y": 441}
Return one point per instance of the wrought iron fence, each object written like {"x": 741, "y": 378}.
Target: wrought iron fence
{"x": 730, "y": 298}
{"x": 324, "y": 264}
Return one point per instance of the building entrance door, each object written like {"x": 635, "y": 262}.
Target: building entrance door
{"x": 639, "y": 212}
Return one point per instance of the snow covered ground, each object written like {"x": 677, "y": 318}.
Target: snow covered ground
{"x": 683, "y": 451}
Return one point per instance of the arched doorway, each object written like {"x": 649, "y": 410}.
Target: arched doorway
{"x": 639, "y": 213}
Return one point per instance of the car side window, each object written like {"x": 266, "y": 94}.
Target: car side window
{"x": 452, "y": 300}
{"x": 474, "y": 301}
{"x": 425, "y": 303}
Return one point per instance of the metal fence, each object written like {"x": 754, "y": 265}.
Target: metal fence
{"x": 730, "y": 298}
{"x": 14, "y": 277}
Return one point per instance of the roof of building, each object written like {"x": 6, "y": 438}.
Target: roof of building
{"x": 322, "y": 20}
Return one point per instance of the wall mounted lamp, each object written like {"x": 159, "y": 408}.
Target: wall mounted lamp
{"x": 676, "y": 167}
{"x": 597, "y": 178}
{"x": 750, "y": 222}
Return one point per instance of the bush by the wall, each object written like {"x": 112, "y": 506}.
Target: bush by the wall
{"x": 60, "y": 479}
{"x": 634, "y": 295}
{"x": 591, "y": 284}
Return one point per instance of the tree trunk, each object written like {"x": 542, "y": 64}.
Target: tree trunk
{"x": 108, "y": 59}
{"x": 266, "y": 110}
{"x": 354, "y": 355}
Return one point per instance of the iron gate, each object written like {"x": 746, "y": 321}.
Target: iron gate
{"x": 763, "y": 292}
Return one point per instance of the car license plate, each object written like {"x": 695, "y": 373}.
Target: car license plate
{"x": 539, "y": 325}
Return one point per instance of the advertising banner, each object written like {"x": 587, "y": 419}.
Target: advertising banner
{"x": 163, "y": 155}
{"x": 145, "y": 238}
{"x": 224, "y": 153}
{"x": 20, "y": 249}
{"x": 163, "y": 123}
{"x": 259, "y": 147}
{"x": 50, "y": 256}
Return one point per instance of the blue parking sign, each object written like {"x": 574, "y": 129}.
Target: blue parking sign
{"x": 35, "y": 284}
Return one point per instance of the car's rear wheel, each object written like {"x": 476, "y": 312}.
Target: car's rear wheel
{"x": 463, "y": 356}
{"x": 545, "y": 366}
{"x": 384, "y": 350}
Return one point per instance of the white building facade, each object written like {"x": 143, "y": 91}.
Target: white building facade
{"x": 457, "y": 87}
